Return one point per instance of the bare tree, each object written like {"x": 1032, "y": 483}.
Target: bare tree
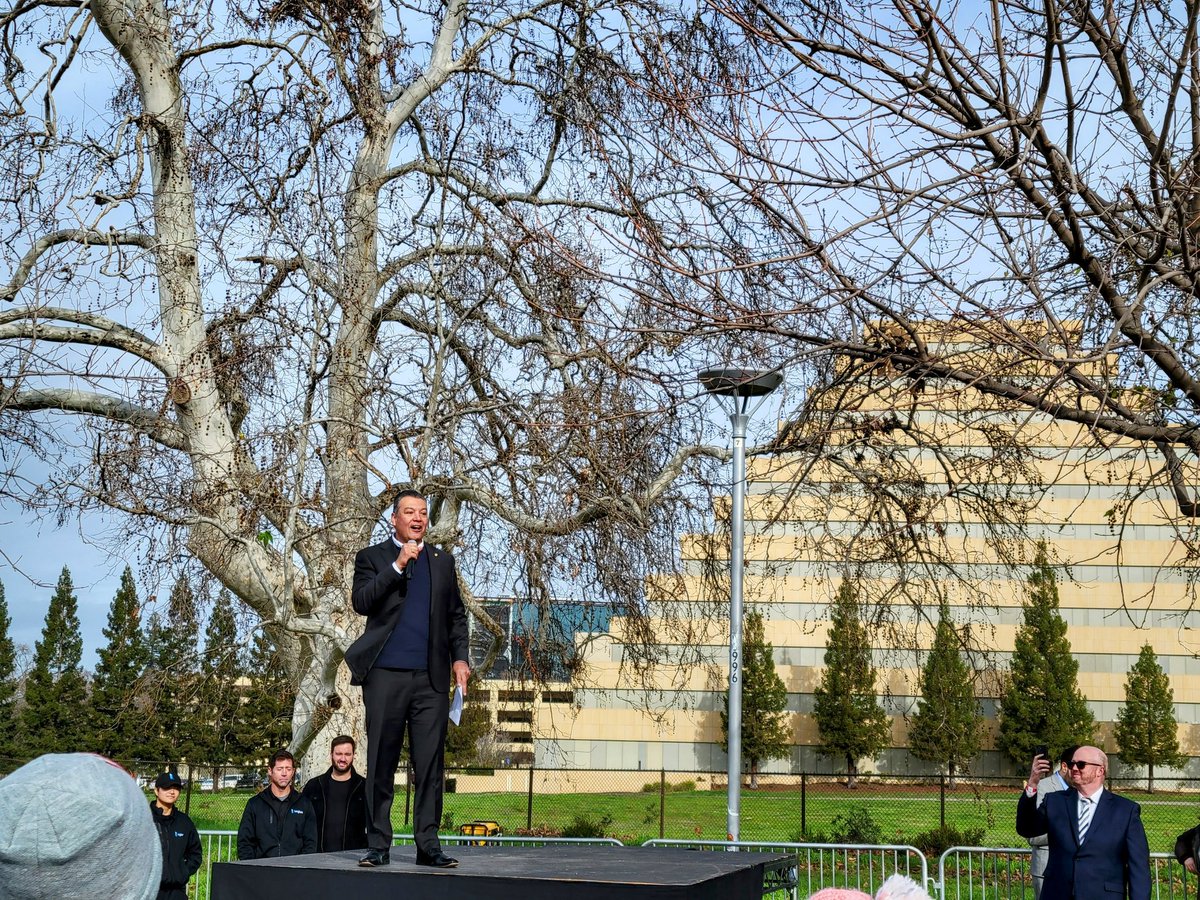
{"x": 983, "y": 208}
{"x": 1025, "y": 174}
{"x": 303, "y": 255}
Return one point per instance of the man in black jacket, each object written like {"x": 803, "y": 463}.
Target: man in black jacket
{"x": 278, "y": 820}
{"x": 339, "y": 798}
{"x": 180, "y": 841}
{"x": 416, "y": 636}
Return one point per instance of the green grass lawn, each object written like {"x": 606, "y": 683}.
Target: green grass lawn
{"x": 775, "y": 816}
{"x": 772, "y": 815}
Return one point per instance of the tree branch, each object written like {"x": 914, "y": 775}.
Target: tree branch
{"x": 33, "y": 323}
{"x": 87, "y": 237}
{"x": 144, "y": 421}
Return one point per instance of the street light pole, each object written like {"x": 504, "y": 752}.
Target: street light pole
{"x": 736, "y": 565}
{"x": 741, "y": 385}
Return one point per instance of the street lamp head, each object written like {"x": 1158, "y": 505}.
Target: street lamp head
{"x": 740, "y": 382}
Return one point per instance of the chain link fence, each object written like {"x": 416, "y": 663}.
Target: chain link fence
{"x": 808, "y": 808}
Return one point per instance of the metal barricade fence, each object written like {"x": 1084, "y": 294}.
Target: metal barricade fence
{"x": 963, "y": 873}
{"x": 1002, "y": 873}
{"x": 218, "y": 846}
{"x": 994, "y": 872}
{"x": 863, "y": 867}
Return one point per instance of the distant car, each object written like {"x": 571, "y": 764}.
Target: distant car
{"x": 250, "y": 780}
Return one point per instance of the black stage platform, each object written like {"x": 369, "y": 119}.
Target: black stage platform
{"x": 508, "y": 873}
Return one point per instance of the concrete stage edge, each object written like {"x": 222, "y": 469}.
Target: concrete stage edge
{"x": 509, "y": 873}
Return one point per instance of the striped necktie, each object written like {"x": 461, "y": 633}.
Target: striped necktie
{"x": 1085, "y": 816}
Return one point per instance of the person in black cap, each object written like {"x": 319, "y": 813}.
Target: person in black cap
{"x": 180, "y": 841}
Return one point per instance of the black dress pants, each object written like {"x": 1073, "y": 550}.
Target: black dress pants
{"x": 399, "y": 700}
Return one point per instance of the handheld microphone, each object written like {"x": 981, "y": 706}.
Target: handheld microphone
{"x": 408, "y": 566}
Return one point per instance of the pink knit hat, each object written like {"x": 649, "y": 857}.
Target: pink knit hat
{"x": 898, "y": 887}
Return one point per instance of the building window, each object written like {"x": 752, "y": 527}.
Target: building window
{"x": 516, "y": 696}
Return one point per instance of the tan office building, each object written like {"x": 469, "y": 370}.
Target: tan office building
{"x": 921, "y": 495}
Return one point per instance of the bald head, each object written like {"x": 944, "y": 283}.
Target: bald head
{"x": 1088, "y": 768}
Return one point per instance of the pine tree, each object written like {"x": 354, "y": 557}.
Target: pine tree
{"x": 56, "y": 714}
{"x": 171, "y": 679}
{"x": 1041, "y": 703}
{"x": 764, "y": 702}
{"x": 265, "y": 714}
{"x": 8, "y": 688}
{"x": 218, "y": 697}
{"x": 947, "y": 725}
{"x": 120, "y": 725}
{"x": 1146, "y": 729}
{"x": 852, "y": 723}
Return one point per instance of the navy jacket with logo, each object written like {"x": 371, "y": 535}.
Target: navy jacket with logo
{"x": 181, "y": 850}
{"x": 273, "y": 827}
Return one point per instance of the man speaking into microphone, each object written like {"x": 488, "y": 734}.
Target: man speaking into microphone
{"x": 416, "y": 635}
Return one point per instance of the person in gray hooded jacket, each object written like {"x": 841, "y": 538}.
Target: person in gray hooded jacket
{"x": 75, "y": 826}
{"x": 1040, "y": 851}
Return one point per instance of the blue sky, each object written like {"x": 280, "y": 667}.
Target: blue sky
{"x": 32, "y": 559}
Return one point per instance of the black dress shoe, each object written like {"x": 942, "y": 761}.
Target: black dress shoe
{"x": 375, "y": 858}
{"x": 438, "y": 860}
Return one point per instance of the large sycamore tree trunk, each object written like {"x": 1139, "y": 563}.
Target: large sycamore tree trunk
{"x": 302, "y": 256}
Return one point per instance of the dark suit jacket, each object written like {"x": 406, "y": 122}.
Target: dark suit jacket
{"x": 1114, "y": 858}
{"x": 1187, "y": 846}
{"x": 379, "y": 593}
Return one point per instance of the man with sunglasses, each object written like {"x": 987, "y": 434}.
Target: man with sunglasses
{"x": 1097, "y": 844}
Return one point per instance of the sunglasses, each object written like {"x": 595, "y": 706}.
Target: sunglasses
{"x": 1079, "y": 764}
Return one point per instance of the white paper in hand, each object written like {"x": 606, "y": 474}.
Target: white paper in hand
{"x": 456, "y": 703}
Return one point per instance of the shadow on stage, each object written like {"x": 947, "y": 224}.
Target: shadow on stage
{"x": 511, "y": 873}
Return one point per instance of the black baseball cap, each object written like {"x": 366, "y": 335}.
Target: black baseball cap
{"x": 168, "y": 780}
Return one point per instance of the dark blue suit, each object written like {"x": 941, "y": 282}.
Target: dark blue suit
{"x": 409, "y": 700}
{"x": 1114, "y": 858}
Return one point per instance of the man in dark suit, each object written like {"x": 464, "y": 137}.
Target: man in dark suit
{"x": 416, "y": 635}
{"x": 1097, "y": 843}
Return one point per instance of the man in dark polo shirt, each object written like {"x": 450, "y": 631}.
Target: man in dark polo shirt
{"x": 339, "y": 798}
